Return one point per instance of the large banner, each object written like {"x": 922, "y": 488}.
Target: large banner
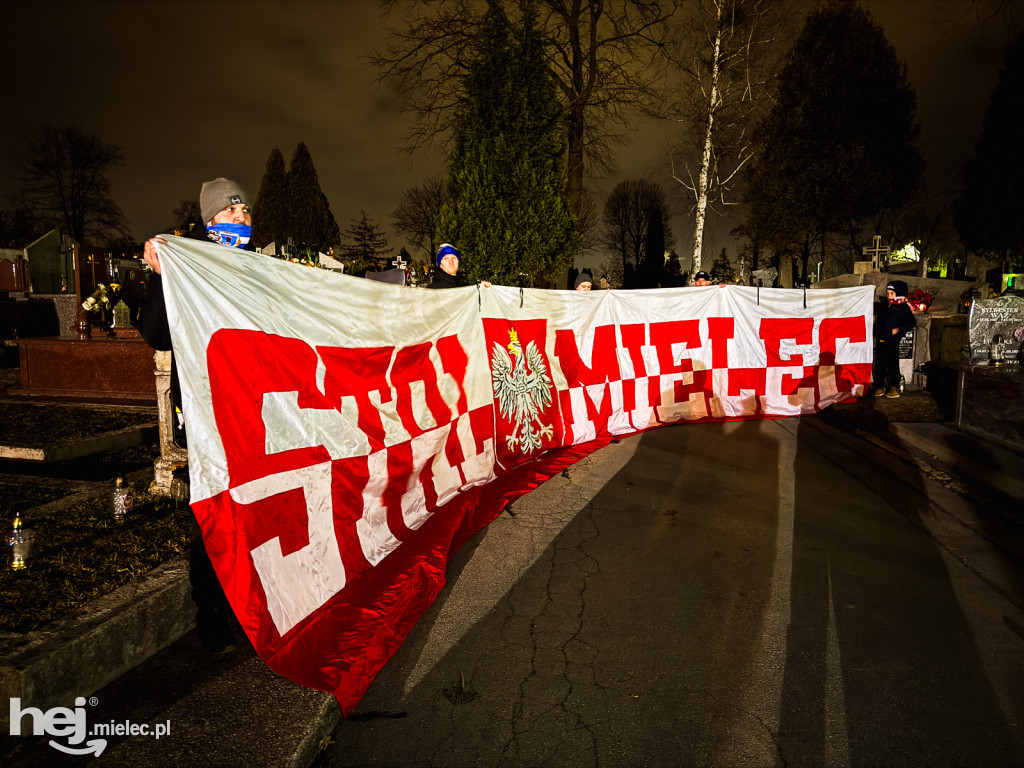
{"x": 347, "y": 436}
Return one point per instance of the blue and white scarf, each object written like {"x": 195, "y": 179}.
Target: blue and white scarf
{"x": 231, "y": 235}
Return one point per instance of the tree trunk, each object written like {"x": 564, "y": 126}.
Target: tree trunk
{"x": 574, "y": 164}
{"x": 575, "y": 119}
{"x": 826, "y": 255}
{"x": 705, "y": 160}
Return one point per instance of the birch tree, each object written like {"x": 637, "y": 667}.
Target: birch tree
{"x": 723, "y": 59}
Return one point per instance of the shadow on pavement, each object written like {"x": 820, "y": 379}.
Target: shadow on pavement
{"x": 881, "y": 663}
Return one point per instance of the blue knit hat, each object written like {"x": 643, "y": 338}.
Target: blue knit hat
{"x": 447, "y": 249}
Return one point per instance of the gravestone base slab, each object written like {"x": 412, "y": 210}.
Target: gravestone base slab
{"x": 79, "y": 654}
{"x": 98, "y": 369}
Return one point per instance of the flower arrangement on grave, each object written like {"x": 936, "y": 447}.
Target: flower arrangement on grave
{"x": 102, "y": 299}
{"x": 307, "y": 260}
{"x": 920, "y": 299}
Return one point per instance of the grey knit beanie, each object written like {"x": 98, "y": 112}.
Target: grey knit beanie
{"x": 217, "y": 195}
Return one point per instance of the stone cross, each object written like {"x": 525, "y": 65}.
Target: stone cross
{"x": 876, "y": 251}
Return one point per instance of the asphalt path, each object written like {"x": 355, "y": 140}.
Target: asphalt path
{"x": 760, "y": 593}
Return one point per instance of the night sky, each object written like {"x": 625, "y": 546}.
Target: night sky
{"x": 195, "y": 89}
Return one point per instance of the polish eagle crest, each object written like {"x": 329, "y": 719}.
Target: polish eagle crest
{"x": 522, "y": 387}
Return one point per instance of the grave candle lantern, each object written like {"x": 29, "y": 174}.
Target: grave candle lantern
{"x": 122, "y": 315}
{"x": 996, "y": 353}
{"x": 20, "y": 541}
{"x": 121, "y": 499}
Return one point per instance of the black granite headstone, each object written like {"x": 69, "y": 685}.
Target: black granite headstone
{"x": 907, "y": 345}
{"x": 1002, "y": 315}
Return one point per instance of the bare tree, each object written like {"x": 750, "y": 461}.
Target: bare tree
{"x": 1005, "y": 14}
{"x": 187, "y": 214}
{"x": 611, "y": 272}
{"x": 416, "y": 214}
{"x": 723, "y": 59}
{"x": 635, "y": 215}
{"x": 19, "y": 227}
{"x": 64, "y": 182}
{"x": 598, "y": 52}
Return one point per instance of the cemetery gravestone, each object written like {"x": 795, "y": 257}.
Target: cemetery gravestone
{"x": 907, "y": 354}
{"x": 990, "y": 398}
{"x": 104, "y": 366}
{"x": 989, "y": 317}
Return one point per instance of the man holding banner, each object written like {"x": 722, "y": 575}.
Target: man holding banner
{"x": 225, "y": 209}
{"x": 447, "y": 261}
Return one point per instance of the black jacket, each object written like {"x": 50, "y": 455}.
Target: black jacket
{"x": 444, "y": 280}
{"x": 155, "y": 329}
{"x": 889, "y": 316}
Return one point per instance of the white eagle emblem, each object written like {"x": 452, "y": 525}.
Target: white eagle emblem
{"x": 523, "y": 389}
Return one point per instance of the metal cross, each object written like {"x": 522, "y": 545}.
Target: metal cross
{"x": 91, "y": 261}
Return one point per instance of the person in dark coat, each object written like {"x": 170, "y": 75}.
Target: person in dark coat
{"x": 225, "y": 209}
{"x": 894, "y": 319}
{"x": 584, "y": 282}
{"x": 448, "y": 260}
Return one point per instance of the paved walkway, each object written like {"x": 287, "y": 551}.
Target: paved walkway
{"x": 231, "y": 710}
{"x": 829, "y": 604}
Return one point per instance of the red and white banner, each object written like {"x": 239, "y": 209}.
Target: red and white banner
{"x": 347, "y": 436}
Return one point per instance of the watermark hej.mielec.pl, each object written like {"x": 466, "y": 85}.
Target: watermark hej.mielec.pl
{"x": 71, "y": 724}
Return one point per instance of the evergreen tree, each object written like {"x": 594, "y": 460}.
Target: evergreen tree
{"x": 331, "y": 231}
{"x": 601, "y": 54}
{"x": 505, "y": 209}
{"x": 722, "y": 269}
{"x": 271, "y": 211}
{"x": 839, "y": 145}
{"x": 368, "y": 243}
{"x": 311, "y": 223}
{"x": 652, "y": 270}
{"x": 987, "y": 213}
{"x": 673, "y": 271}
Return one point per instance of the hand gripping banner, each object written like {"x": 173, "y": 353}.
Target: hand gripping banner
{"x": 347, "y": 436}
